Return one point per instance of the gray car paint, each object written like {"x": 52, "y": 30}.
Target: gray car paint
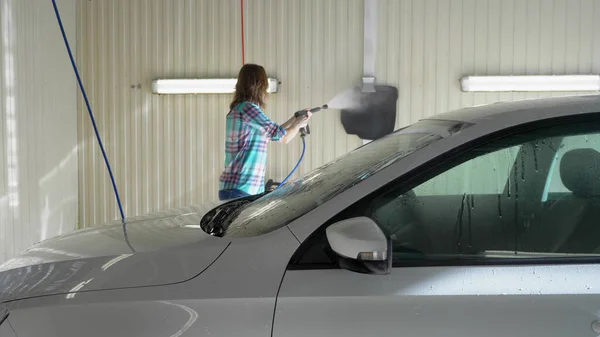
{"x": 236, "y": 294}
{"x": 167, "y": 248}
{"x": 534, "y": 300}
{"x": 494, "y": 301}
{"x": 6, "y": 330}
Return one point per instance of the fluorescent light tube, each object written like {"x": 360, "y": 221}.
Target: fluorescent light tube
{"x": 201, "y": 86}
{"x": 531, "y": 83}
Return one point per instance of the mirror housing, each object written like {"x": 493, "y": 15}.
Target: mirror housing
{"x": 360, "y": 246}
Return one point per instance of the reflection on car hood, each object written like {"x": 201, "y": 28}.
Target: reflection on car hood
{"x": 150, "y": 250}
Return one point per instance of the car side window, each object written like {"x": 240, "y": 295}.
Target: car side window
{"x": 535, "y": 195}
{"x": 498, "y": 165}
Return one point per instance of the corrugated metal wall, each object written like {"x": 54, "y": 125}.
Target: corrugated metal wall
{"x": 38, "y": 129}
{"x": 168, "y": 151}
{"x": 426, "y": 46}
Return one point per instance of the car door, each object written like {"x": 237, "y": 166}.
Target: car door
{"x": 499, "y": 241}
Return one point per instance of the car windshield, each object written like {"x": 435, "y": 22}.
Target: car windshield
{"x": 280, "y": 207}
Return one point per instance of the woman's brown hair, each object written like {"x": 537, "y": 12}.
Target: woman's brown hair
{"x": 252, "y": 85}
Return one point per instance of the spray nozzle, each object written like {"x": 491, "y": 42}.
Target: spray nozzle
{"x": 301, "y": 113}
{"x": 319, "y": 108}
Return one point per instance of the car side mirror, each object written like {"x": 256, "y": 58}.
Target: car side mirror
{"x": 360, "y": 246}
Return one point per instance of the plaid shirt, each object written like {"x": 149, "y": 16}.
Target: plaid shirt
{"x": 247, "y": 134}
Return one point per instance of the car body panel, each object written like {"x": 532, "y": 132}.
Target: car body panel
{"x": 6, "y": 330}
{"x": 145, "y": 252}
{"x": 3, "y": 314}
{"x": 236, "y": 295}
{"x": 189, "y": 283}
{"x": 511, "y": 113}
{"x": 495, "y": 301}
{"x": 533, "y": 300}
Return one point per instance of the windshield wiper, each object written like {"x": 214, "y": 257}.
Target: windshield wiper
{"x": 216, "y": 221}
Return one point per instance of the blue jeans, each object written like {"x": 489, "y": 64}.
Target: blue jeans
{"x": 232, "y": 194}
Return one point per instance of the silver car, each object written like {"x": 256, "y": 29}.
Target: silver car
{"x": 479, "y": 222}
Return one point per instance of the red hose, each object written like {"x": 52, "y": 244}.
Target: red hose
{"x": 243, "y": 44}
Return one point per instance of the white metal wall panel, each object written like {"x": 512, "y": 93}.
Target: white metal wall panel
{"x": 38, "y": 125}
{"x": 426, "y": 46}
{"x": 168, "y": 151}
{"x": 315, "y": 48}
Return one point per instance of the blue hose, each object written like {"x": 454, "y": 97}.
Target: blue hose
{"x": 87, "y": 103}
{"x": 297, "y": 164}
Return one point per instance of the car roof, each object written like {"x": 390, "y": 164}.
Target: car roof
{"x": 505, "y": 112}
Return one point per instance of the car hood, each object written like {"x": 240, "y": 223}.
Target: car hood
{"x": 157, "y": 249}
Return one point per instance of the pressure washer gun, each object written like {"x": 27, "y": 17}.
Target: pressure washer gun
{"x": 306, "y": 130}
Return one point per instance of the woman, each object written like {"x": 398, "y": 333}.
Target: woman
{"x": 248, "y": 131}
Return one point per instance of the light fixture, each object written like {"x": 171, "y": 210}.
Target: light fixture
{"x": 531, "y": 83}
{"x": 202, "y": 86}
